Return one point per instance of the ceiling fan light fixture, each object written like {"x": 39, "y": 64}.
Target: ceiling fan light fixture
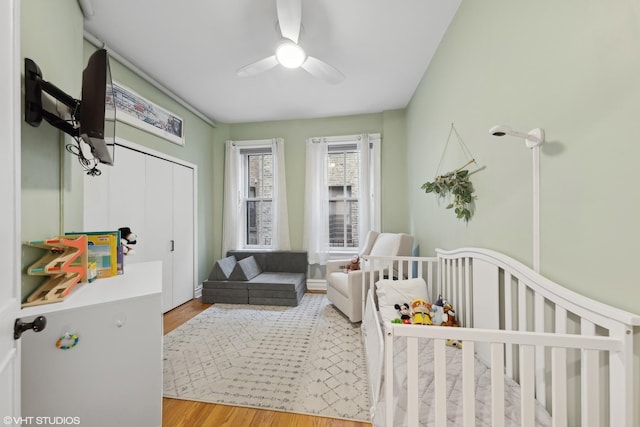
{"x": 290, "y": 55}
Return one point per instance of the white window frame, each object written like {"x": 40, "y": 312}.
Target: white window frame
{"x": 374, "y": 188}
{"x": 248, "y": 148}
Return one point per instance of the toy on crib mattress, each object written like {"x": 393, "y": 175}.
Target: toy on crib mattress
{"x": 405, "y": 313}
{"x": 449, "y": 316}
{"x": 420, "y": 309}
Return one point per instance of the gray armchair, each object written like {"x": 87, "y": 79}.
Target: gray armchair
{"x": 344, "y": 289}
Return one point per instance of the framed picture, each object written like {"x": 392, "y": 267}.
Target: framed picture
{"x": 133, "y": 109}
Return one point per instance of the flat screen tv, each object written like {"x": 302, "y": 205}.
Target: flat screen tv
{"x": 91, "y": 119}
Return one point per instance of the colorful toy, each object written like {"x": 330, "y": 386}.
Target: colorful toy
{"x": 405, "y": 313}
{"x": 436, "y": 313}
{"x": 449, "y": 316}
{"x": 454, "y": 343}
{"x": 421, "y": 312}
{"x": 65, "y": 264}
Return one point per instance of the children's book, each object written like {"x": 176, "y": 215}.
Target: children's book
{"x": 103, "y": 250}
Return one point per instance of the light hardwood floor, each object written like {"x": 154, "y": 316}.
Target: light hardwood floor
{"x": 179, "y": 413}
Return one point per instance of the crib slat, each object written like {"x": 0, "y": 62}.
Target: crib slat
{"x": 559, "y": 386}
{"x": 388, "y": 385}
{"x": 522, "y": 306}
{"x": 468, "y": 301}
{"x": 559, "y": 374}
{"x": 527, "y": 385}
{"x": 497, "y": 385}
{"x": 412, "y": 382}
{"x": 440, "y": 382}
{"x": 590, "y": 379}
{"x": 541, "y": 387}
{"x": 508, "y": 321}
{"x": 468, "y": 384}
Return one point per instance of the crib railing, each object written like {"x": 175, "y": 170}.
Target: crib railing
{"x": 525, "y": 301}
{"x": 498, "y": 341}
{"x": 556, "y": 343}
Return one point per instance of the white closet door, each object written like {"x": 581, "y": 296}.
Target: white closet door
{"x": 96, "y": 200}
{"x": 183, "y": 232}
{"x": 127, "y": 198}
{"x": 159, "y": 222}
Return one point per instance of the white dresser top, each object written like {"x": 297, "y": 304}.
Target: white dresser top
{"x": 138, "y": 280}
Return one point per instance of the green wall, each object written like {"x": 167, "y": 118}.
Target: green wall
{"x": 295, "y": 132}
{"x": 52, "y": 180}
{"x": 573, "y": 69}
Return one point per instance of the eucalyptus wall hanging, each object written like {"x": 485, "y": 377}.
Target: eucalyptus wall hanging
{"x": 455, "y": 185}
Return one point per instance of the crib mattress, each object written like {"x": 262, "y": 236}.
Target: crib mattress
{"x": 453, "y": 391}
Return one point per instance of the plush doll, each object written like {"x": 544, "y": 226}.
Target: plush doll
{"x": 355, "y": 263}
{"x": 449, "y": 316}
{"x": 454, "y": 343}
{"x": 127, "y": 238}
{"x": 421, "y": 312}
{"x": 405, "y": 313}
{"x": 436, "y": 313}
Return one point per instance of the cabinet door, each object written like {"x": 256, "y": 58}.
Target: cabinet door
{"x": 159, "y": 222}
{"x": 183, "y": 232}
{"x": 111, "y": 377}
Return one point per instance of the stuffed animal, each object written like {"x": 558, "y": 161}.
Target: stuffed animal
{"x": 436, "y": 313}
{"x": 127, "y": 238}
{"x": 421, "y": 312}
{"x": 355, "y": 263}
{"x": 454, "y": 343}
{"x": 405, "y": 313}
{"x": 449, "y": 316}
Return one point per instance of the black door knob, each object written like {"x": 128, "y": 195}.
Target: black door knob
{"x": 38, "y": 324}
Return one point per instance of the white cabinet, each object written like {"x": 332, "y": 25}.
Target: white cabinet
{"x": 155, "y": 198}
{"x": 112, "y": 376}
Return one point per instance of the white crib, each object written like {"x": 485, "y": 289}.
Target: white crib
{"x": 569, "y": 356}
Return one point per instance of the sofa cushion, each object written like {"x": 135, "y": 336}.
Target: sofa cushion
{"x": 277, "y": 281}
{"x": 222, "y": 268}
{"x": 245, "y": 269}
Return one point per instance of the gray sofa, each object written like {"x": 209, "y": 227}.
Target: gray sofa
{"x": 257, "y": 277}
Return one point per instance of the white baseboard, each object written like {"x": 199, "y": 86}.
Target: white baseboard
{"x": 316, "y": 285}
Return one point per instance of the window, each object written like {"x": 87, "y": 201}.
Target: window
{"x": 343, "y": 176}
{"x": 342, "y": 187}
{"x": 255, "y": 199}
{"x": 258, "y": 197}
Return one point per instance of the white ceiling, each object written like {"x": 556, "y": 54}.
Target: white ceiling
{"x": 194, "y": 48}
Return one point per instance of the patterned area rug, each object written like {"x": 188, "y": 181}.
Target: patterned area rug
{"x": 306, "y": 359}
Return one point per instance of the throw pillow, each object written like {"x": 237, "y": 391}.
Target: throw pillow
{"x": 222, "y": 268}
{"x": 245, "y": 269}
{"x": 391, "y": 292}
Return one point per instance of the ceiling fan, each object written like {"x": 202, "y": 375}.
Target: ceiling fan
{"x": 288, "y": 52}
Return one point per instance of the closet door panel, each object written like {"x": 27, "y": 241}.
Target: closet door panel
{"x": 183, "y": 231}
{"x": 159, "y": 222}
{"x": 127, "y": 197}
{"x": 96, "y": 200}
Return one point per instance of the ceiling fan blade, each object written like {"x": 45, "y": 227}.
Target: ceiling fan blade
{"x": 322, "y": 70}
{"x": 258, "y": 67}
{"x": 290, "y": 18}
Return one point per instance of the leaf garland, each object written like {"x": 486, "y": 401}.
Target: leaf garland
{"x": 458, "y": 185}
